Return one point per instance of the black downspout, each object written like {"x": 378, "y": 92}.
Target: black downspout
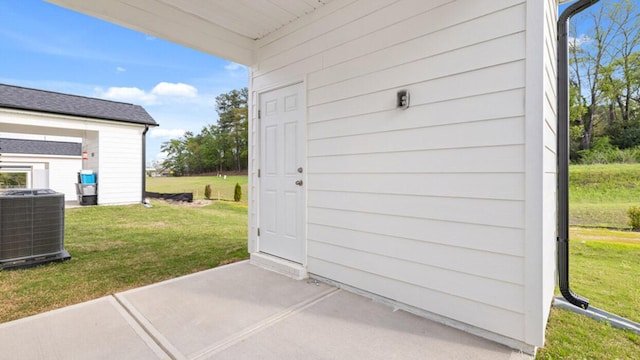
{"x": 144, "y": 162}
{"x": 563, "y": 153}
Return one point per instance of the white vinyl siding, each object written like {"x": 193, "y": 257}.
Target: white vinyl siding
{"x": 120, "y": 169}
{"x": 116, "y": 148}
{"x": 90, "y": 145}
{"x": 63, "y": 175}
{"x": 58, "y": 172}
{"x": 425, "y": 206}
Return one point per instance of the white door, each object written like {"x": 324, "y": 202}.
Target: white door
{"x": 282, "y": 187}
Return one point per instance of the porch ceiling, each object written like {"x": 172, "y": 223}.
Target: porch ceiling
{"x": 223, "y": 28}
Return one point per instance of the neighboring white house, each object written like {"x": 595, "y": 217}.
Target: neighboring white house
{"x": 112, "y": 133}
{"x": 446, "y": 208}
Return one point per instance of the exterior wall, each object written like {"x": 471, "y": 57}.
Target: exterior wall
{"x": 541, "y": 212}
{"x": 425, "y": 206}
{"x": 120, "y": 164}
{"x": 119, "y": 149}
{"x": 62, "y": 170}
{"x": 90, "y": 144}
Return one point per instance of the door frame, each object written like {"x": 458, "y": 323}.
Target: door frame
{"x": 256, "y": 157}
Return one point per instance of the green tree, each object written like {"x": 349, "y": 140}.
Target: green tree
{"x": 233, "y": 125}
{"x": 214, "y": 146}
{"x": 237, "y": 193}
{"x": 577, "y": 109}
{"x": 195, "y": 159}
{"x": 176, "y": 156}
{"x": 588, "y": 54}
{"x": 219, "y": 147}
{"x": 605, "y": 68}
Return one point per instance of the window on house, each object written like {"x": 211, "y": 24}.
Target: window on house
{"x": 13, "y": 179}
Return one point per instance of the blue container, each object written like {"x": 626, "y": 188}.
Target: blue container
{"x": 88, "y": 178}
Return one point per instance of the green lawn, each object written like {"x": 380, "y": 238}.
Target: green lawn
{"x": 604, "y": 268}
{"x": 115, "y": 248}
{"x": 599, "y": 195}
{"x": 604, "y": 265}
{"x": 196, "y": 184}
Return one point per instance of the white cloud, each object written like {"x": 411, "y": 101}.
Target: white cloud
{"x": 166, "y": 133}
{"x": 579, "y": 41}
{"x": 235, "y": 70}
{"x": 149, "y": 37}
{"x": 127, "y": 94}
{"x": 174, "y": 89}
{"x": 120, "y": 69}
{"x": 138, "y": 96}
{"x": 234, "y": 66}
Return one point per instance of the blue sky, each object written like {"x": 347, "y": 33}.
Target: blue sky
{"x": 47, "y": 47}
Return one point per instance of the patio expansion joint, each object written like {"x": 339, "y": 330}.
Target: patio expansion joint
{"x": 262, "y": 325}
{"x": 164, "y": 344}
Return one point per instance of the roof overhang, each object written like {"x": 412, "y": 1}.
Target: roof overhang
{"x": 227, "y": 29}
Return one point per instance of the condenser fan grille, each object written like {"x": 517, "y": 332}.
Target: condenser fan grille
{"x": 31, "y": 229}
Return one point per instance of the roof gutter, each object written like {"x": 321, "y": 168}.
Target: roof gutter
{"x": 563, "y": 152}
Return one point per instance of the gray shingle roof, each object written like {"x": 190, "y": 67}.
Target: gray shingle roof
{"x": 15, "y": 97}
{"x": 17, "y": 146}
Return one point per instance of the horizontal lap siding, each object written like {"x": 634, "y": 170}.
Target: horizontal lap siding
{"x": 63, "y": 176}
{"x": 483, "y": 316}
{"x": 120, "y": 168}
{"x": 460, "y": 235}
{"x": 505, "y": 186}
{"x": 463, "y": 210}
{"x": 62, "y": 170}
{"x": 424, "y": 205}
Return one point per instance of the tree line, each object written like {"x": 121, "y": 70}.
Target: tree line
{"x": 605, "y": 83}
{"x": 217, "y": 147}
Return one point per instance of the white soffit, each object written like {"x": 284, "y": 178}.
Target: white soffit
{"x": 225, "y": 28}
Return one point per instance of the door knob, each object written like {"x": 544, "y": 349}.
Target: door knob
{"x": 299, "y": 182}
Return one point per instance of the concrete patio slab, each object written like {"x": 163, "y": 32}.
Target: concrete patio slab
{"x": 238, "y": 311}
{"x": 196, "y": 313}
{"x": 349, "y": 326}
{"x": 98, "y": 329}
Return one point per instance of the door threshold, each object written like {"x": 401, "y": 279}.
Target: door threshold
{"x": 279, "y": 265}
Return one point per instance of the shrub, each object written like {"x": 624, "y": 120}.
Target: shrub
{"x": 609, "y": 156}
{"x": 207, "y": 192}
{"x": 237, "y": 193}
{"x": 634, "y": 217}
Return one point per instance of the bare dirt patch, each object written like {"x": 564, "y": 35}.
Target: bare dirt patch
{"x": 605, "y": 235}
{"x": 193, "y": 204}
{"x": 148, "y": 225}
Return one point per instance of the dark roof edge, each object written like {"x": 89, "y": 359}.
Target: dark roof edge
{"x": 113, "y": 119}
{"x": 100, "y": 109}
{"x": 65, "y": 94}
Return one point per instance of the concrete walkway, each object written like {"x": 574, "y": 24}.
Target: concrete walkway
{"x": 238, "y": 311}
